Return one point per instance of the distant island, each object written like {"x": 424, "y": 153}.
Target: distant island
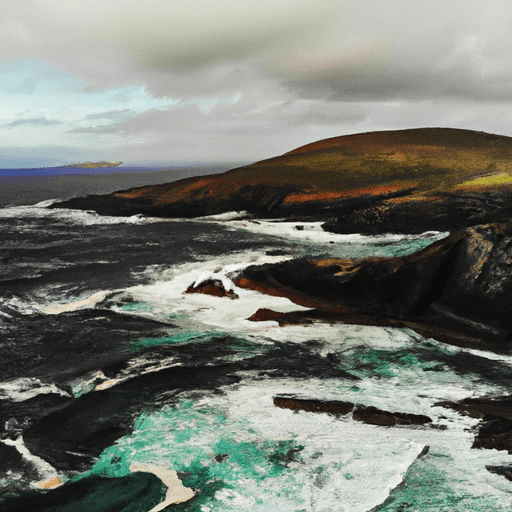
{"x": 95, "y": 165}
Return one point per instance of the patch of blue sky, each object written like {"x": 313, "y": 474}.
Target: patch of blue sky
{"x": 39, "y": 102}
{"x": 34, "y": 94}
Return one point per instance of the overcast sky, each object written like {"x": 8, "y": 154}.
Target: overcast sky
{"x": 242, "y": 80}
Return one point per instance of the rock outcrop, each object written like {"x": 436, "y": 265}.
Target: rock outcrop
{"x": 457, "y": 290}
{"x": 212, "y": 287}
{"x": 495, "y": 430}
{"x": 366, "y": 414}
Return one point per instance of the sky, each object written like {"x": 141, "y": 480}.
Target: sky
{"x": 207, "y": 81}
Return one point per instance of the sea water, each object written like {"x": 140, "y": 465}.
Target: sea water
{"x": 78, "y": 292}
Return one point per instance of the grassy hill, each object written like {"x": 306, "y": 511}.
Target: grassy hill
{"x": 377, "y": 174}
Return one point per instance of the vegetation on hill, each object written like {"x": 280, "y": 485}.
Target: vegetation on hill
{"x": 407, "y": 180}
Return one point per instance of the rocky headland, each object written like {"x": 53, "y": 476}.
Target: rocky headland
{"x": 405, "y": 181}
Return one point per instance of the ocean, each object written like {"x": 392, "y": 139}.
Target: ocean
{"x": 111, "y": 372}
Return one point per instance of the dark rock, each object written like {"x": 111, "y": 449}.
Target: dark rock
{"x": 312, "y": 405}
{"x": 494, "y": 433}
{"x": 319, "y": 315}
{"x": 424, "y": 452}
{"x": 370, "y": 415}
{"x": 290, "y": 318}
{"x": 374, "y": 416}
{"x": 138, "y": 491}
{"x": 212, "y": 287}
{"x": 221, "y": 457}
{"x": 505, "y": 471}
{"x": 495, "y": 430}
{"x": 500, "y": 407}
{"x": 443, "y": 212}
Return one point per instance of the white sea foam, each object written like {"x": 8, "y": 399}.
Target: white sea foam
{"x": 44, "y": 204}
{"x": 176, "y": 491}
{"x": 313, "y": 232}
{"x": 137, "y": 368}
{"x": 370, "y": 461}
{"x": 225, "y": 216}
{"x": 89, "y": 302}
{"x": 22, "y": 389}
{"x": 16, "y": 305}
{"x": 343, "y": 451}
{"x": 167, "y": 295}
{"x": 81, "y": 217}
{"x": 44, "y": 470}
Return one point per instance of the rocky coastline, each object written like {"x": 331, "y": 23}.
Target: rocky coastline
{"x": 456, "y": 290}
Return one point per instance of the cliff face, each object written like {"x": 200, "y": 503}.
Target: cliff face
{"x": 458, "y": 289}
{"x": 403, "y": 181}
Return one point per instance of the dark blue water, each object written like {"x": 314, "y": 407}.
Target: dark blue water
{"x": 29, "y": 186}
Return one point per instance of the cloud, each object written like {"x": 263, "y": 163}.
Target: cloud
{"x": 214, "y": 80}
{"x": 337, "y": 49}
{"x": 192, "y": 33}
{"x": 37, "y": 121}
{"x": 115, "y": 115}
{"x": 343, "y": 50}
{"x": 100, "y": 129}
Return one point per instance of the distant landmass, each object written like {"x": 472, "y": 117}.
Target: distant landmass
{"x": 95, "y": 165}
